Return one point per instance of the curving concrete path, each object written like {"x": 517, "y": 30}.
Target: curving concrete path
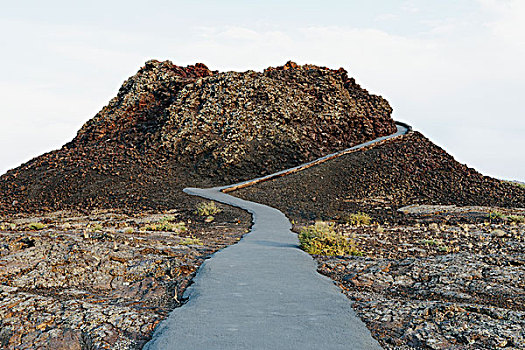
{"x": 263, "y": 292}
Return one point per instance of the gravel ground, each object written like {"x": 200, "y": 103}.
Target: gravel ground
{"x": 436, "y": 286}
{"x": 380, "y": 179}
{"x": 100, "y": 281}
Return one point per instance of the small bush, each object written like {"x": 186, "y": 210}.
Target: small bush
{"x": 128, "y": 230}
{"x": 96, "y": 227}
{"x": 149, "y": 227}
{"x": 519, "y": 219}
{"x": 429, "y": 242}
{"x": 359, "y": 219}
{"x": 165, "y": 226}
{"x": 191, "y": 241}
{"x": 207, "y": 209}
{"x": 495, "y": 215}
{"x": 322, "y": 239}
{"x": 36, "y": 226}
{"x": 6, "y": 226}
{"x": 177, "y": 227}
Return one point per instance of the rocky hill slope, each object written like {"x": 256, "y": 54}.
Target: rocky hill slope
{"x": 170, "y": 127}
{"x": 381, "y": 179}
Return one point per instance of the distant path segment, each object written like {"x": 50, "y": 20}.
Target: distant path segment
{"x": 264, "y": 292}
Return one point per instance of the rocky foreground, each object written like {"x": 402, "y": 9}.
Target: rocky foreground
{"x": 432, "y": 285}
{"x": 103, "y": 280}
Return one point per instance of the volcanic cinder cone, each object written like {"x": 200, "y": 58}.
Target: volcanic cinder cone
{"x": 170, "y": 127}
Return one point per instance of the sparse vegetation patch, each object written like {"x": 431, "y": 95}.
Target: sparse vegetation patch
{"x": 207, "y": 209}
{"x": 429, "y": 242}
{"x": 495, "y": 215}
{"x": 36, "y": 226}
{"x": 321, "y": 239}
{"x": 96, "y": 227}
{"x": 165, "y": 226}
{"x": 358, "y": 219}
{"x": 190, "y": 241}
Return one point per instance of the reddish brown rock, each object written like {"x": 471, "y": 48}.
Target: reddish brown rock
{"x": 171, "y": 127}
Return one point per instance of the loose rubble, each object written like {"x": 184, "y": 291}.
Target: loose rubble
{"x": 100, "y": 281}
{"x": 431, "y": 285}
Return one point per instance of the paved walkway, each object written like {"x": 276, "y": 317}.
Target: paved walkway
{"x": 262, "y": 293}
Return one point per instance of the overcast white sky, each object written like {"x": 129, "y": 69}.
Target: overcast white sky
{"x": 454, "y": 69}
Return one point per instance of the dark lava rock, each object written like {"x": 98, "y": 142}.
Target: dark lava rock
{"x": 380, "y": 179}
{"x": 102, "y": 280}
{"x": 436, "y": 287}
{"x": 170, "y": 127}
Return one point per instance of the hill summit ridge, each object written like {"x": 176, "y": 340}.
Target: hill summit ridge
{"x": 198, "y": 127}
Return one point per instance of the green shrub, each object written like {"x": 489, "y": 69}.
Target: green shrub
{"x": 322, "y": 239}
{"x": 165, "y": 226}
{"x": 96, "y": 227}
{"x": 36, "y": 226}
{"x": 495, "y": 215}
{"x": 207, "y": 209}
{"x": 149, "y": 227}
{"x": 177, "y": 227}
{"x": 7, "y": 226}
{"x": 429, "y": 242}
{"x": 511, "y": 218}
{"x": 191, "y": 241}
{"x": 359, "y": 219}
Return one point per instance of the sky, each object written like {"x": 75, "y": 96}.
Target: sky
{"x": 452, "y": 69}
